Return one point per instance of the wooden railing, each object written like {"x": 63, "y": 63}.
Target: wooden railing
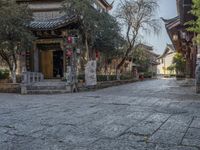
{"x": 32, "y": 77}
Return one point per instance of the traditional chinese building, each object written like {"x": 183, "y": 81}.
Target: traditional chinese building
{"x": 181, "y": 38}
{"x": 50, "y": 26}
{"x": 165, "y": 61}
{"x": 149, "y": 53}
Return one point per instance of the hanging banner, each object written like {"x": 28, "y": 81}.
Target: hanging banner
{"x": 68, "y": 74}
{"x": 90, "y": 73}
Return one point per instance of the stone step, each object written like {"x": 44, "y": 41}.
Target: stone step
{"x": 48, "y": 91}
{"x": 46, "y": 87}
{"x": 49, "y": 84}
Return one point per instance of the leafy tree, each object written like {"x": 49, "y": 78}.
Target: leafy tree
{"x": 141, "y": 59}
{"x": 14, "y": 37}
{"x": 100, "y": 30}
{"x": 108, "y": 40}
{"x": 179, "y": 63}
{"x": 194, "y": 25}
{"x": 171, "y": 68}
{"x": 88, "y": 19}
{"x": 137, "y": 16}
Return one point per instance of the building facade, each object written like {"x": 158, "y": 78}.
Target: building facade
{"x": 151, "y": 56}
{"x": 165, "y": 61}
{"x": 181, "y": 38}
{"x": 56, "y": 35}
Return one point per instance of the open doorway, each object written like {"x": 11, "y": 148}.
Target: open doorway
{"x": 58, "y": 64}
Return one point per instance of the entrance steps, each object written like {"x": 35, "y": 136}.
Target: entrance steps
{"x": 47, "y": 87}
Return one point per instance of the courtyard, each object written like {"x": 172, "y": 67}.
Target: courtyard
{"x": 151, "y": 115}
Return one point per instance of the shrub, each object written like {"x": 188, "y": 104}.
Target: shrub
{"x": 101, "y": 78}
{"x": 179, "y": 63}
{"x": 148, "y": 75}
{"x": 4, "y": 74}
{"x": 81, "y": 77}
{"x": 106, "y": 78}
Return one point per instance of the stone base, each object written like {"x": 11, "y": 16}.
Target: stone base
{"x": 23, "y": 89}
{"x": 46, "y": 87}
{"x": 198, "y": 89}
{"x": 9, "y": 88}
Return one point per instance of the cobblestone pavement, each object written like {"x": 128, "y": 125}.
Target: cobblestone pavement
{"x": 149, "y": 115}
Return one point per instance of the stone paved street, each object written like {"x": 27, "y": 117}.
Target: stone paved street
{"x": 149, "y": 115}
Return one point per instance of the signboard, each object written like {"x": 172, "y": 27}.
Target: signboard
{"x": 90, "y": 73}
{"x": 68, "y": 74}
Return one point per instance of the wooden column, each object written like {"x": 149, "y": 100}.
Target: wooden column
{"x": 36, "y": 57}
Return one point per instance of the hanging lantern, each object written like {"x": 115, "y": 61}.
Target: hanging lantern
{"x": 69, "y": 53}
{"x": 175, "y": 37}
{"x": 97, "y": 54}
{"x": 69, "y": 39}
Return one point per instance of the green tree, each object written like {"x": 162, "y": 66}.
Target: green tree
{"x": 100, "y": 31}
{"x": 141, "y": 59}
{"x": 88, "y": 19}
{"x": 14, "y": 36}
{"x": 108, "y": 39}
{"x": 179, "y": 63}
{"x": 194, "y": 25}
{"x": 171, "y": 68}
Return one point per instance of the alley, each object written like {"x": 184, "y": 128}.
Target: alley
{"x": 150, "y": 115}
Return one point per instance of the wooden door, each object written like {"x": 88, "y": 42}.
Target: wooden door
{"x": 47, "y": 64}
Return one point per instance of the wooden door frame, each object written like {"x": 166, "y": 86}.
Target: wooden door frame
{"x": 51, "y": 41}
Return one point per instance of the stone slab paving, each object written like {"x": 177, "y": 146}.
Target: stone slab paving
{"x": 150, "y": 115}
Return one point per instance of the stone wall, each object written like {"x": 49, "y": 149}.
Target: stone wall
{"x": 9, "y": 88}
{"x": 105, "y": 84}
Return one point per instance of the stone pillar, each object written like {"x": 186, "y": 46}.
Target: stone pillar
{"x": 23, "y": 89}
{"x": 197, "y": 72}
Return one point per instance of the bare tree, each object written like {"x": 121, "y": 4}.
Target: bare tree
{"x": 137, "y": 16}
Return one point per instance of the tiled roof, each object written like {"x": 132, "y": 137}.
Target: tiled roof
{"x": 170, "y": 46}
{"x": 51, "y": 23}
{"x": 171, "y": 23}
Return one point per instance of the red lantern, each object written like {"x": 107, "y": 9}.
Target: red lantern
{"x": 97, "y": 54}
{"x": 69, "y": 53}
{"x": 69, "y": 39}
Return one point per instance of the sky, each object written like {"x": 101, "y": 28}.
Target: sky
{"x": 167, "y": 9}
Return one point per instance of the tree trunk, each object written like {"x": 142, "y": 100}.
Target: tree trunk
{"x": 13, "y": 73}
{"x": 124, "y": 58}
{"x": 118, "y": 74}
{"x": 13, "y": 76}
{"x": 86, "y": 47}
{"x": 122, "y": 63}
